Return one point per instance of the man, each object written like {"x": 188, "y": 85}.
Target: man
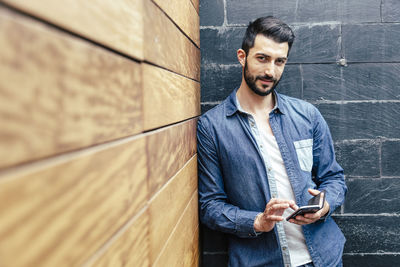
{"x": 262, "y": 155}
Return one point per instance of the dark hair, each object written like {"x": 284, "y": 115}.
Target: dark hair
{"x": 270, "y": 27}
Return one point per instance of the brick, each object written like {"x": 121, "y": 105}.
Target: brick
{"x": 211, "y": 12}
{"x": 306, "y": 11}
{"x": 290, "y": 83}
{"x": 315, "y": 44}
{"x": 370, "y": 234}
{"x": 244, "y": 11}
{"x": 360, "y": 11}
{"x": 309, "y": 11}
{"x": 378, "y": 81}
{"x": 365, "y": 120}
{"x": 220, "y": 46}
{"x": 375, "y": 260}
{"x": 359, "y": 158}
{"x": 371, "y": 43}
{"x": 391, "y": 11}
{"x": 322, "y": 81}
{"x": 215, "y": 260}
{"x": 369, "y": 195}
{"x": 218, "y": 81}
{"x": 391, "y": 158}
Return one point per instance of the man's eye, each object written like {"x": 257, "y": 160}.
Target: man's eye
{"x": 261, "y": 58}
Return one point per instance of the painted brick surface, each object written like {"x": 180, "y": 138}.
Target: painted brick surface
{"x": 365, "y": 120}
{"x": 390, "y": 11}
{"x": 380, "y": 81}
{"x": 391, "y": 158}
{"x": 371, "y": 195}
{"x": 371, "y": 260}
{"x": 306, "y": 11}
{"x": 211, "y": 12}
{"x": 371, "y": 43}
{"x": 359, "y": 158}
{"x": 346, "y": 61}
{"x": 370, "y": 234}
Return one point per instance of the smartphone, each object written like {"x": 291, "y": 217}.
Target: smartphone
{"x": 314, "y": 204}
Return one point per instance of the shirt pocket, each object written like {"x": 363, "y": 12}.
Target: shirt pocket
{"x": 304, "y": 153}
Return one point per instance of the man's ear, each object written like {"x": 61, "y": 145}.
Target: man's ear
{"x": 241, "y": 55}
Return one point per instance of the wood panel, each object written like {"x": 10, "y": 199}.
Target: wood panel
{"x": 184, "y": 15}
{"x": 131, "y": 248}
{"x": 117, "y": 24}
{"x": 196, "y": 5}
{"x": 168, "y": 97}
{"x": 166, "y": 46}
{"x": 168, "y": 206}
{"x": 168, "y": 150}
{"x": 59, "y": 214}
{"x": 182, "y": 248}
{"x": 59, "y": 93}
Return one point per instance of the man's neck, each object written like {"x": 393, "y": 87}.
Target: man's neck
{"x": 254, "y": 103}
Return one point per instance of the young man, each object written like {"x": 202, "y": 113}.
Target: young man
{"x": 262, "y": 155}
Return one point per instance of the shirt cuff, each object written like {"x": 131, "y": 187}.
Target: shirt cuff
{"x": 245, "y": 223}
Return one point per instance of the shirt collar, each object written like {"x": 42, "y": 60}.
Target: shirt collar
{"x": 233, "y": 105}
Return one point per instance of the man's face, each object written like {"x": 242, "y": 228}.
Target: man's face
{"x": 264, "y": 65}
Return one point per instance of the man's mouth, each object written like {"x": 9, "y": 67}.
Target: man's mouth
{"x": 266, "y": 81}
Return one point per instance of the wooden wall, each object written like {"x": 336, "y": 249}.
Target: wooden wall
{"x": 98, "y": 108}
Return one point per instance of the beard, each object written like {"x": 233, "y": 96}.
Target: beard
{"x": 251, "y": 82}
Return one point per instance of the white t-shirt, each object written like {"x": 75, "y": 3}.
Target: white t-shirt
{"x": 299, "y": 253}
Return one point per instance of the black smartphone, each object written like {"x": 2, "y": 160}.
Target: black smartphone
{"x": 314, "y": 204}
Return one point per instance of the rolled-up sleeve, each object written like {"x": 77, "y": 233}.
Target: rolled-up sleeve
{"x": 215, "y": 210}
{"x": 327, "y": 172}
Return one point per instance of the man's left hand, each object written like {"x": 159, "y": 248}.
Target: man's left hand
{"x": 311, "y": 217}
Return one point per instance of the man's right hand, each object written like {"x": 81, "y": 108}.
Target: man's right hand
{"x": 273, "y": 212}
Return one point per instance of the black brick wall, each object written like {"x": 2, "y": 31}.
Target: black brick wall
{"x": 360, "y": 101}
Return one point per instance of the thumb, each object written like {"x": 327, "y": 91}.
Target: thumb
{"x": 313, "y": 192}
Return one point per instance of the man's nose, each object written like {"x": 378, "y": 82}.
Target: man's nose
{"x": 269, "y": 69}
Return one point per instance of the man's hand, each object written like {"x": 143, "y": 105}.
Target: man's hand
{"x": 265, "y": 221}
{"x": 311, "y": 217}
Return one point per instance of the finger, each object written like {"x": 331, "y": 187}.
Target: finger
{"x": 279, "y": 201}
{"x": 274, "y": 218}
{"x": 282, "y": 206}
{"x": 297, "y": 222}
{"x": 313, "y": 192}
{"x": 304, "y": 220}
{"x": 313, "y": 216}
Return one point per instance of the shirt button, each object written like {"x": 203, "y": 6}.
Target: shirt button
{"x": 269, "y": 169}
{"x": 273, "y": 195}
{"x": 276, "y": 111}
{"x": 284, "y": 248}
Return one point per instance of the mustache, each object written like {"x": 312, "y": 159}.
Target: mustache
{"x": 266, "y": 77}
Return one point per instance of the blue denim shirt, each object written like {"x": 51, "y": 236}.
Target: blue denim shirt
{"x": 233, "y": 182}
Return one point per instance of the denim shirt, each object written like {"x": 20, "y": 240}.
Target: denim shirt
{"x": 233, "y": 181}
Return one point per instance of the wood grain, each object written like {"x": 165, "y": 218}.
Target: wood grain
{"x": 196, "y": 5}
{"x": 168, "y": 205}
{"x": 131, "y": 248}
{"x": 168, "y": 97}
{"x": 59, "y": 93}
{"x": 166, "y": 46}
{"x": 117, "y": 24}
{"x": 168, "y": 150}
{"x": 58, "y": 215}
{"x": 182, "y": 248}
{"x": 184, "y": 14}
